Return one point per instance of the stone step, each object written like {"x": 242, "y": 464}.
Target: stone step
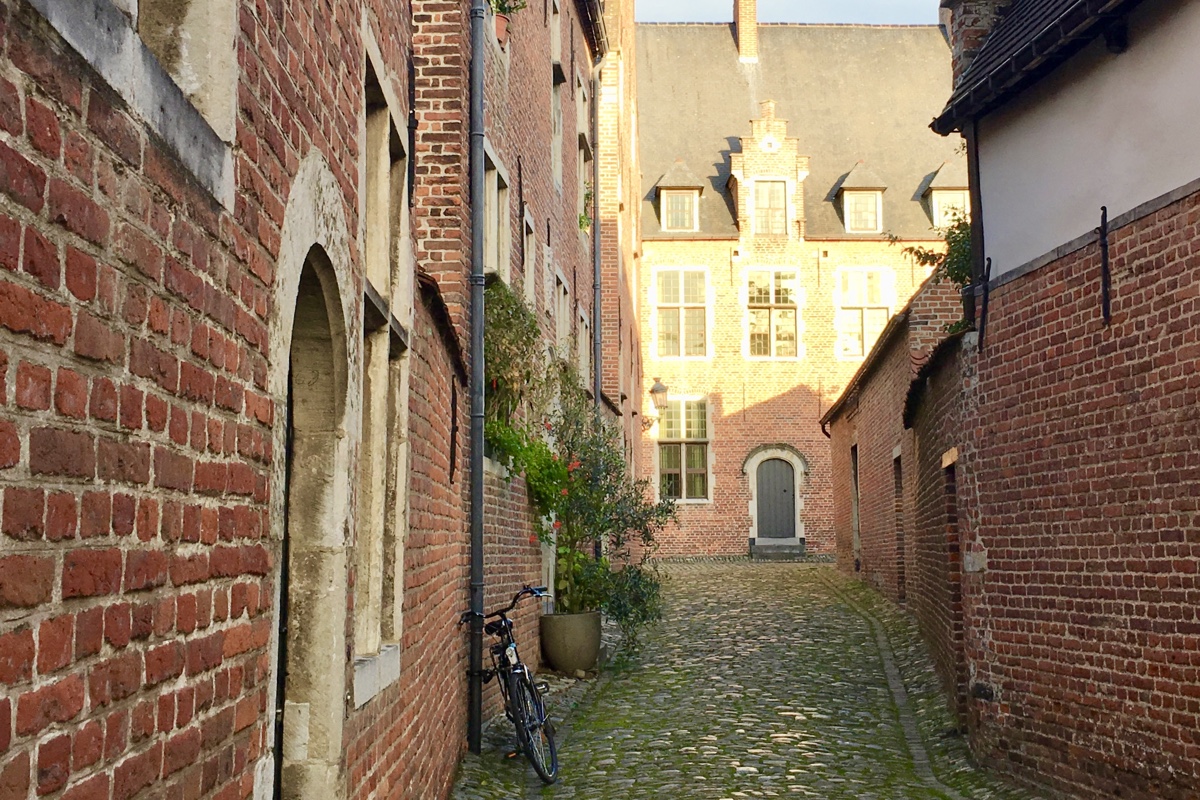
{"x": 784, "y": 551}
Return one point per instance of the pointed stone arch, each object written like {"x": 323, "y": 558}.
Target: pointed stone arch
{"x": 311, "y": 378}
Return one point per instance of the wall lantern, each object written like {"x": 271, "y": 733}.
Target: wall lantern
{"x": 658, "y": 394}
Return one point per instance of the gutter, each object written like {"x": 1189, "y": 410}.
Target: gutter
{"x": 475, "y": 658}
{"x": 1041, "y": 55}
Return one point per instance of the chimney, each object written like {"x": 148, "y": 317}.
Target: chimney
{"x": 745, "y": 26}
{"x": 970, "y": 23}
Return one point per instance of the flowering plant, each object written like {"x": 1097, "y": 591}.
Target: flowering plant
{"x": 579, "y": 482}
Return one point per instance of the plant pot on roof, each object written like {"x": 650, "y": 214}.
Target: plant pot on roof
{"x": 503, "y": 10}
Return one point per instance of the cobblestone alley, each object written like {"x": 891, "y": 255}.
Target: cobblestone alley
{"x": 763, "y": 680}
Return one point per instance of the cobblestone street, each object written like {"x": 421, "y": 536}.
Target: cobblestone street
{"x": 763, "y": 680}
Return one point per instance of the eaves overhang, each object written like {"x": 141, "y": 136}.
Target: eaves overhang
{"x": 1034, "y": 56}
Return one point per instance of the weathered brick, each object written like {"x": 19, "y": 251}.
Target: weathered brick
{"x": 145, "y": 569}
{"x": 103, "y": 403}
{"x": 77, "y": 212}
{"x": 53, "y": 451}
{"x": 123, "y": 461}
{"x": 21, "y": 179}
{"x": 81, "y": 275}
{"x": 89, "y": 632}
{"x": 115, "y": 679}
{"x": 57, "y": 702}
{"x": 96, "y": 339}
{"x": 93, "y": 788}
{"x": 25, "y": 581}
{"x": 10, "y": 445}
{"x": 41, "y": 126}
{"x": 24, "y": 513}
{"x": 22, "y": 311}
{"x": 88, "y": 573}
{"x": 41, "y": 259}
{"x": 33, "y": 386}
{"x": 71, "y": 394}
{"x": 14, "y": 776}
{"x": 16, "y": 655}
{"x": 137, "y": 772}
{"x": 62, "y": 516}
{"x": 53, "y": 764}
{"x": 172, "y": 470}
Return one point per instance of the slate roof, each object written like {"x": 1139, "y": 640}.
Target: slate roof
{"x": 1028, "y": 41}
{"x": 680, "y": 177}
{"x": 850, "y": 93}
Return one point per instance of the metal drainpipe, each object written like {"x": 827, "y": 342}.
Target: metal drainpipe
{"x": 475, "y": 664}
{"x": 597, "y": 317}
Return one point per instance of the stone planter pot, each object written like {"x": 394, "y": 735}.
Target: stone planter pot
{"x": 571, "y": 642}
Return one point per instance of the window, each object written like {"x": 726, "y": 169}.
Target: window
{"x": 583, "y": 159}
{"x": 562, "y": 316}
{"x": 680, "y": 211}
{"x": 383, "y": 455}
{"x": 584, "y": 348}
{"x": 949, "y": 206}
{"x": 863, "y": 211}
{"x": 683, "y": 450}
{"x": 497, "y": 237}
{"x": 682, "y": 314}
{"x": 529, "y": 248}
{"x": 771, "y": 302}
{"x": 864, "y": 306}
{"x": 770, "y": 208}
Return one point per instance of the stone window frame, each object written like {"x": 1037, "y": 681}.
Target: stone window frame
{"x": 840, "y": 305}
{"x": 583, "y": 346}
{"x": 681, "y": 402}
{"x": 388, "y": 316}
{"x": 800, "y": 472}
{"x": 847, "y": 194}
{"x": 656, "y": 304}
{"x": 105, "y": 36}
{"x": 561, "y": 314}
{"x": 529, "y": 248}
{"x": 942, "y": 210}
{"x": 693, "y": 196}
{"x": 801, "y": 300}
{"x": 497, "y": 217}
{"x": 787, "y": 206}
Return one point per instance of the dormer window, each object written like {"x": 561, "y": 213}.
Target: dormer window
{"x": 679, "y": 199}
{"x": 770, "y": 208}
{"x": 681, "y": 210}
{"x": 949, "y": 205}
{"x": 863, "y": 211}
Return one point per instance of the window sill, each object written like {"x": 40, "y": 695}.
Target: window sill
{"x": 705, "y": 502}
{"x": 373, "y": 674}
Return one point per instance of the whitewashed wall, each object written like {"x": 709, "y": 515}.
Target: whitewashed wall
{"x": 1104, "y": 129}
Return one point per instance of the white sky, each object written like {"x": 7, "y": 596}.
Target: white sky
{"x": 893, "y": 12}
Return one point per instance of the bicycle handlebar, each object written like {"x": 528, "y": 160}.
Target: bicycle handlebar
{"x": 531, "y": 591}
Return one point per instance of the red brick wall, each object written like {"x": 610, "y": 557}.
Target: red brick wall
{"x": 941, "y": 498}
{"x": 1088, "y": 471}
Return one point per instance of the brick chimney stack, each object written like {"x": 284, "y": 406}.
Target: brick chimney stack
{"x": 745, "y": 26}
{"x": 970, "y": 23}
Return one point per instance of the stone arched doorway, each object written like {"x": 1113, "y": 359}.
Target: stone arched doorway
{"x": 310, "y": 674}
{"x": 313, "y": 385}
{"x": 777, "y": 476}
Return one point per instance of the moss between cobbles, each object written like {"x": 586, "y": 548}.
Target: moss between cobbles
{"x": 764, "y": 680}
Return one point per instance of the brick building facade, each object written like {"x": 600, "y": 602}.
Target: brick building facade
{"x": 236, "y": 248}
{"x": 774, "y": 218}
{"x": 1055, "y": 577}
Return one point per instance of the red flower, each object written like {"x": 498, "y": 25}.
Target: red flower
{"x": 533, "y": 538}
{"x": 557, "y": 524}
{"x": 548, "y": 425}
{"x": 574, "y": 465}
{"x": 564, "y": 492}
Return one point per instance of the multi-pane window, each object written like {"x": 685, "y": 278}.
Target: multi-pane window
{"x": 562, "y": 316}
{"x": 864, "y": 307}
{"x": 948, "y": 206}
{"x": 679, "y": 210}
{"x": 683, "y": 450}
{"x": 770, "y": 208}
{"x": 497, "y": 237}
{"x": 862, "y": 211}
{"x": 771, "y": 302}
{"x": 682, "y": 313}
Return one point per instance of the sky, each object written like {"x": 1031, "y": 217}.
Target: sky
{"x": 893, "y": 12}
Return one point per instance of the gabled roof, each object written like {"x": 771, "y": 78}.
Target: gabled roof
{"x": 861, "y": 177}
{"x": 849, "y": 93}
{"x": 1029, "y": 40}
{"x": 680, "y": 177}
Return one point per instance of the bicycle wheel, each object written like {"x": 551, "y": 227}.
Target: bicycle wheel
{"x": 537, "y": 738}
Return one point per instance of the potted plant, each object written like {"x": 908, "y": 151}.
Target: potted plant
{"x": 503, "y": 9}
{"x": 592, "y": 504}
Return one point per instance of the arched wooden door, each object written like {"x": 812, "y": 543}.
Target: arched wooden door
{"x": 776, "y": 497}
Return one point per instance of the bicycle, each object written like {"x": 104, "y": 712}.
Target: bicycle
{"x": 523, "y": 704}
